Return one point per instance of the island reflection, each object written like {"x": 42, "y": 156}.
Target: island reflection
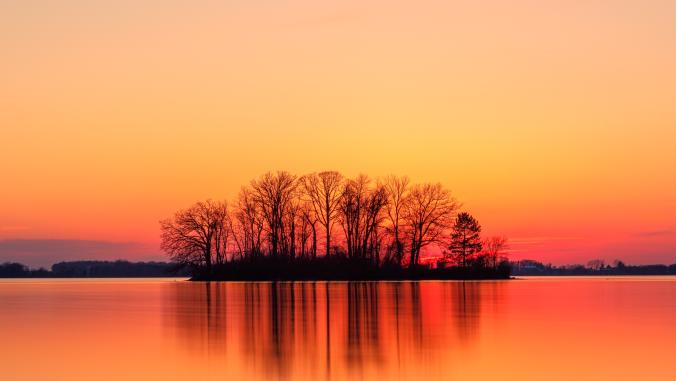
{"x": 289, "y": 330}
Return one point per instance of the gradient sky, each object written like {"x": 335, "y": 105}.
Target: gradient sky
{"x": 553, "y": 121}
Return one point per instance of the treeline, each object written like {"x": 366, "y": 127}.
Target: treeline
{"x": 280, "y": 217}
{"x": 594, "y": 267}
{"x": 93, "y": 269}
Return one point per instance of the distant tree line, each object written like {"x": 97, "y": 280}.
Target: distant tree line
{"x": 93, "y": 269}
{"x": 593, "y": 267}
{"x": 388, "y": 222}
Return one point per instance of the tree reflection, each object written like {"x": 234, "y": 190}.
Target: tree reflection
{"x": 467, "y": 309}
{"x": 321, "y": 330}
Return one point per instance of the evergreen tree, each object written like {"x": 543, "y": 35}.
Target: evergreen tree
{"x": 465, "y": 239}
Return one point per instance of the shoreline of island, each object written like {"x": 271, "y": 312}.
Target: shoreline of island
{"x": 335, "y": 268}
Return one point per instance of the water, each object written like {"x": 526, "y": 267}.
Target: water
{"x": 532, "y": 329}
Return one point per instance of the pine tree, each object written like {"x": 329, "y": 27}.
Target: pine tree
{"x": 465, "y": 239}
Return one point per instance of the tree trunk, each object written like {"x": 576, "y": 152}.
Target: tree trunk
{"x": 328, "y": 228}
{"x": 314, "y": 242}
{"x": 328, "y": 241}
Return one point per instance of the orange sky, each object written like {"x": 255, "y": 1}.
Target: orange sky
{"x": 554, "y": 122}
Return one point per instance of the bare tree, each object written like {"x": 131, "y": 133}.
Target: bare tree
{"x": 350, "y": 213}
{"x": 250, "y": 224}
{"x": 397, "y": 192}
{"x": 236, "y": 233}
{"x": 309, "y": 222}
{"x": 191, "y": 236}
{"x": 273, "y": 194}
{"x": 324, "y": 190}
{"x": 494, "y": 248}
{"x": 291, "y": 226}
{"x": 373, "y": 218}
{"x": 360, "y": 215}
{"x": 427, "y": 213}
{"x": 222, "y": 232}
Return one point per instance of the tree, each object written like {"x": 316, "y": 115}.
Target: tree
{"x": 427, "y": 213}
{"x": 250, "y": 224}
{"x": 373, "y": 218}
{"x": 273, "y": 194}
{"x": 309, "y": 221}
{"x": 465, "y": 238}
{"x": 494, "y": 248}
{"x": 596, "y": 264}
{"x": 193, "y": 235}
{"x": 397, "y": 191}
{"x": 324, "y": 190}
{"x": 360, "y": 215}
{"x": 222, "y": 232}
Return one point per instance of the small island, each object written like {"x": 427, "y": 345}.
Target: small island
{"x": 384, "y": 229}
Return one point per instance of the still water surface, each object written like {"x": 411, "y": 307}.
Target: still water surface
{"x": 530, "y": 329}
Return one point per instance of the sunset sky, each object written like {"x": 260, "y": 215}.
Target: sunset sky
{"x": 554, "y": 122}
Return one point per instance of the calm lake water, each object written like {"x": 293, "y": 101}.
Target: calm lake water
{"x": 573, "y": 328}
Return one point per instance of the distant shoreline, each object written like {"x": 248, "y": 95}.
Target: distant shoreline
{"x": 535, "y": 268}
{"x": 95, "y": 269}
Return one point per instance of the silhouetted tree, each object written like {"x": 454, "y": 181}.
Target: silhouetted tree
{"x": 13, "y": 270}
{"x": 273, "y": 193}
{"x": 465, "y": 238}
{"x": 291, "y": 219}
{"x": 324, "y": 190}
{"x": 595, "y": 264}
{"x": 249, "y": 227}
{"x": 191, "y": 236}
{"x": 309, "y": 221}
{"x": 397, "y": 193}
{"x": 222, "y": 232}
{"x": 494, "y": 249}
{"x": 427, "y": 212}
{"x": 360, "y": 215}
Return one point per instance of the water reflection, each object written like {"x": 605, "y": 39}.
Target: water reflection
{"x": 543, "y": 328}
{"x": 319, "y": 330}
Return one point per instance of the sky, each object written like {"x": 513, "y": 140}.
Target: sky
{"x": 553, "y": 122}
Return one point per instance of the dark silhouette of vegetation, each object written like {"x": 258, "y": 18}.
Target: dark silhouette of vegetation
{"x": 19, "y": 270}
{"x": 323, "y": 190}
{"x": 494, "y": 249}
{"x": 339, "y": 267}
{"x": 465, "y": 239}
{"x": 396, "y": 189}
{"x": 369, "y": 229}
{"x": 94, "y": 269}
{"x": 428, "y": 210}
{"x": 594, "y": 267}
{"x": 197, "y": 234}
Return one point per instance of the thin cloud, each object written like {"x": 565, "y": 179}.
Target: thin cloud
{"x": 656, "y": 233}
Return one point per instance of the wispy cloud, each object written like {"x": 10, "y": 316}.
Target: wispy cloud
{"x": 656, "y": 233}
